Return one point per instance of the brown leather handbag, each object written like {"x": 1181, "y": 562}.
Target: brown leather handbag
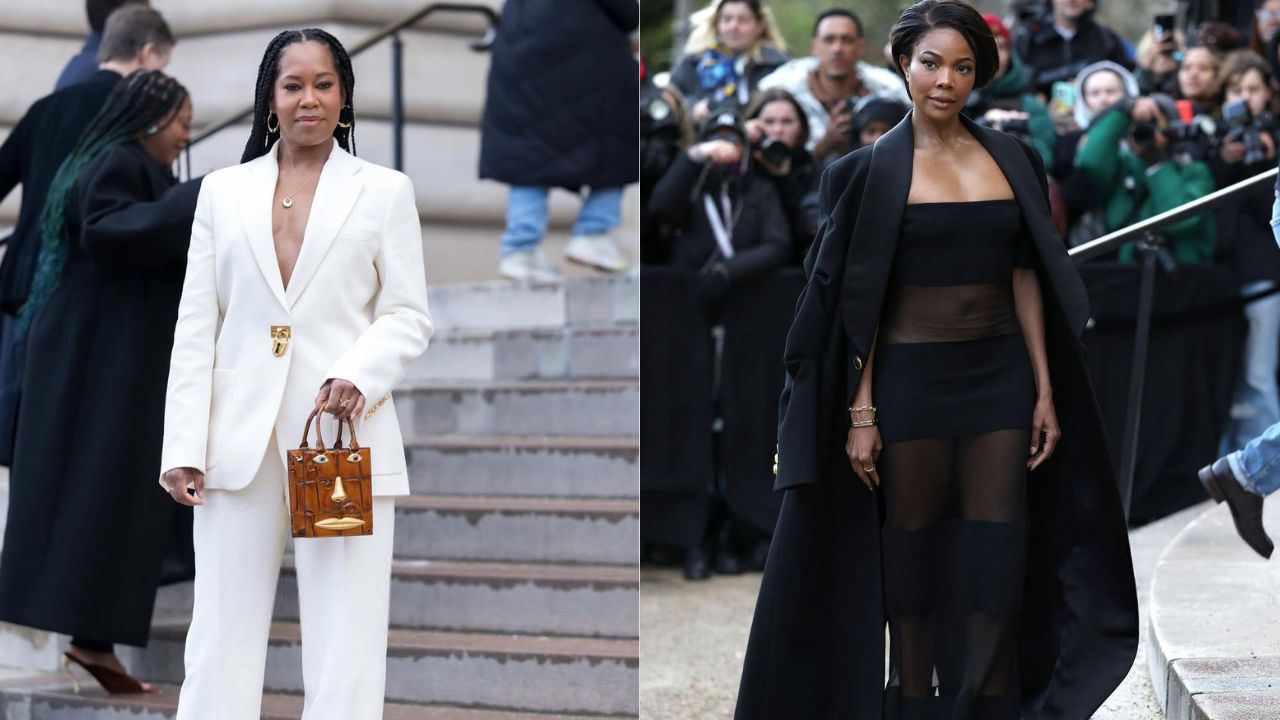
{"x": 330, "y": 490}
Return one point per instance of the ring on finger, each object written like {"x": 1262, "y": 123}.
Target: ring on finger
{"x": 869, "y": 469}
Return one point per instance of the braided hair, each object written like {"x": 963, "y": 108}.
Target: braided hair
{"x": 260, "y": 138}
{"x": 142, "y": 103}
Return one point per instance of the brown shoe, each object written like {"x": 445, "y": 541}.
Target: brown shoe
{"x": 1246, "y": 507}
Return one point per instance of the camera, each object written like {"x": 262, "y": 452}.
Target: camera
{"x": 775, "y": 152}
{"x": 1243, "y": 127}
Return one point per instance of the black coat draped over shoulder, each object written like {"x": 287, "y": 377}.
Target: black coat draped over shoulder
{"x": 816, "y": 648}
{"x": 563, "y": 96}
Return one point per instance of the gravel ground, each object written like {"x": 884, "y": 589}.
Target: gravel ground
{"x": 693, "y": 635}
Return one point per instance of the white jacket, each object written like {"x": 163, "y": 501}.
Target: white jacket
{"x": 356, "y": 307}
{"x": 794, "y": 78}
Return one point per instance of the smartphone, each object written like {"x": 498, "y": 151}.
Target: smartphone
{"x": 1062, "y": 97}
{"x": 1162, "y": 29}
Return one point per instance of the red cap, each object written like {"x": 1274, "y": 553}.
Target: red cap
{"x": 997, "y": 26}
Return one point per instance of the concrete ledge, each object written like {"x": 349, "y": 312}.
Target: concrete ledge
{"x": 1215, "y": 623}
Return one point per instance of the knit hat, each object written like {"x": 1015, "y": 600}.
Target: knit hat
{"x": 877, "y": 109}
{"x": 998, "y": 27}
{"x": 1081, "y": 110}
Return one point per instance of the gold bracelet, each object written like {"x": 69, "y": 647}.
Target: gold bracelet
{"x": 863, "y": 423}
{"x": 861, "y": 408}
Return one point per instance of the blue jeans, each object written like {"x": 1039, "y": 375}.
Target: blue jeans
{"x": 1256, "y": 405}
{"x": 527, "y": 216}
{"x": 1257, "y": 464}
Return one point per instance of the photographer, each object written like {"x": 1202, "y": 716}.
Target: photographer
{"x": 1126, "y": 157}
{"x": 730, "y": 224}
{"x": 1159, "y": 55}
{"x": 733, "y": 45}
{"x": 1008, "y": 103}
{"x": 1063, "y": 40}
{"x": 664, "y": 133}
{"x": 1247, "y": 246}
{"x": 778, "y": 132}
{"x": 829, "y": 84}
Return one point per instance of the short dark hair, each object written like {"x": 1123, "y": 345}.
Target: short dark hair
{"x": 129, "y": 29}
{"x": 837, "y": 12}
{"x": 777, "y": 94}
{"x": 99, "y": 10}
{"x": 916, "y": 21}
{"x": 756, "y": 7}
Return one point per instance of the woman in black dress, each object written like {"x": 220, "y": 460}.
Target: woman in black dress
{"x": 941, "y": 288}
{"x": 87, "y": 534}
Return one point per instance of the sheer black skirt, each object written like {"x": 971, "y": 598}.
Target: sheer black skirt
{"x": 955, "y": 420}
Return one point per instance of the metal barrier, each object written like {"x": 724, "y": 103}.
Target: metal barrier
{"x": 1151, "y": 250}
{"x": 391, "y": 30}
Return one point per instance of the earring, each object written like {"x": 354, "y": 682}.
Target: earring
{"x": 277, "y": 127}
{"x": 346, "y": 124}
{"x": 153, "y": 130}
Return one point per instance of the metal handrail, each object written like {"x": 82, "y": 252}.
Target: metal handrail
{"x": 1151, "y": 251}
{"x": 391, "y": 30}
{"x": 1113, "y": 240}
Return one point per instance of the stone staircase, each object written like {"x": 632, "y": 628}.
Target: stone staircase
{"x": 514, "y": 586}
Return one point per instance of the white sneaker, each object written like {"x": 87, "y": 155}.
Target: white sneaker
{"x": 597, "y": 251}
{"x": 529, "y": 266}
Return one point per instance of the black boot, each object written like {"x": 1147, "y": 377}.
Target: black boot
{"x": 1246, "y": 507}
{"x": 697, "y": 566}
{"x": 727, "y": 562}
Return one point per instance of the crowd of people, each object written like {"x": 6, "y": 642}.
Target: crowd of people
{"x": 735, "y": 139}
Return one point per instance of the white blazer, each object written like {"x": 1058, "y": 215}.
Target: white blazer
{"x": 356, "y": 307}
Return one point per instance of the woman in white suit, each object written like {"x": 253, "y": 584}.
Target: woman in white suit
{"x": 305, "y": 274}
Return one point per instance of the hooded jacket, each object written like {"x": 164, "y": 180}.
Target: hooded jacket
{"x": 1083, "y": 115}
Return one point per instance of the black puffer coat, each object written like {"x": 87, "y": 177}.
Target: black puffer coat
{"x": 563, "y": 96}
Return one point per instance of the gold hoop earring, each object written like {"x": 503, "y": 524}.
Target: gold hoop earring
{"x": 353, "y": 117}
{"x": 277, "y": 127}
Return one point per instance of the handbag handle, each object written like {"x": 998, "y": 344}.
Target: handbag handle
{"x": 306, "y": 430}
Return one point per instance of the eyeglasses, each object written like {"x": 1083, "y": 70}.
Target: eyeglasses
{"x": 1265, "y": 16}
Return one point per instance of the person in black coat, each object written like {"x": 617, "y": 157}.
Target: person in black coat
{"x": 87, "y": 533}
{"x": 1052, "y": 55}
{"x": 779, "y": 131}
{"x": 728, "y": 230}
{"x": 833, "y": 576}
{"x": 136, "y": 38}
{"x": 560, "y": 111}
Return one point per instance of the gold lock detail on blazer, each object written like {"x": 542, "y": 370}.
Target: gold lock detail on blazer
{"x": 280, "y": 335}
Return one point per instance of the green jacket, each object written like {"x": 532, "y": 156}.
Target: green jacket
{"x": 1121, "y": 179}
{"x": 1017, "y": 81}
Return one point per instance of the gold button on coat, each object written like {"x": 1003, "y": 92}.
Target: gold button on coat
{"x": 857, "y": 363}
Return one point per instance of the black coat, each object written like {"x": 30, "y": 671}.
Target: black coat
{"x": 761, "y": 236}
{"x": 563, "y": 96}
{"x": 88, "y": 527}
{"x": 816, "y": 648}
{"x": 1052, "y": 57}
{"x": 31, "y": 154}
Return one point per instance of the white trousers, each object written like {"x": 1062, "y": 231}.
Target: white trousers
{"x": 343, "y": 594}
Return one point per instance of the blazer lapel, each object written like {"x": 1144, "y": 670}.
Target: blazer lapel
{"x": 1061, "y": 271}
{"x": 875, "y": 235}
{"x": 336, "y": 194}
{"x": 255, "y": 212}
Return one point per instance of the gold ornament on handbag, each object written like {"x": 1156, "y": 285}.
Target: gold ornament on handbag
{"x": 330, "y": 490}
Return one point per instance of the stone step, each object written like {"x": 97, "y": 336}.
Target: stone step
{"x": 507, "y": 672}
{"x": 552, "y": 407}
{"x": 509, "y": 306}
{"x": 607, "y": 351}
{"x": 518, "y": 529}
{"x": 61, "y": 703}
{"x": 565, "y": 600}
{"x": 1215, "y": 623}
{"x": 542, "y": 466}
